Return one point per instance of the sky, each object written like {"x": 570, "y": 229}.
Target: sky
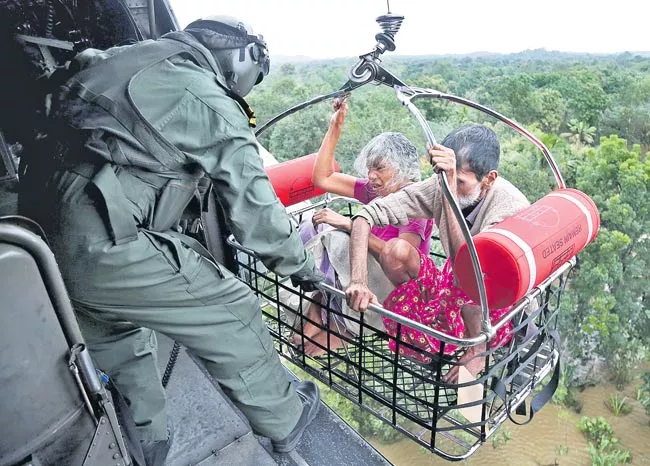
{"x": 346, "y": 28}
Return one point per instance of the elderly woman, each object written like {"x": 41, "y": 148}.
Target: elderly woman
{"x": 387, "y": 163}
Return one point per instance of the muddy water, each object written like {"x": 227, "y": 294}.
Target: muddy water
{"x": 551, "y": 438}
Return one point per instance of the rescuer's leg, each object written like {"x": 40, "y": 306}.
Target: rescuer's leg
{"x": 158, "y": 283}
{"x": 175, "y": 291}
{"x": 226, "y": 330}
{"x": 128, "y": 354}
{"x": 152, "y": 280}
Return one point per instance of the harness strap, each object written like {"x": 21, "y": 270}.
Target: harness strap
{"x": 121, "y": 226}
{"x": 543, "y": 396}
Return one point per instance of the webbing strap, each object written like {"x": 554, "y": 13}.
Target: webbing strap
{"x": 121, "y": 225}
{"x": 543, "y": 396}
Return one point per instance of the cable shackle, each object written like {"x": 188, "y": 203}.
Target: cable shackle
{"x": 367, "y": 70}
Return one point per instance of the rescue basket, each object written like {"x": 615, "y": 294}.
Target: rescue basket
{"x": 406, "y": 386}
{"x": 451, "y": 419}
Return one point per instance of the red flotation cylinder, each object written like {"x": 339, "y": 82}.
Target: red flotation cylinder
{"x": 522, "y": 251}
{"x": 291, "y": 180}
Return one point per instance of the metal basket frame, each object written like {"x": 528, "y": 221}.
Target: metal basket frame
{"x": 410, "y": 396}
{"x": 406, "y": 394}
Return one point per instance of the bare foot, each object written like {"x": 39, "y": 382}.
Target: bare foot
{"x": 313, "y": 350}
{"x": 309, "y": 329}
{"x": 470, "y": 361}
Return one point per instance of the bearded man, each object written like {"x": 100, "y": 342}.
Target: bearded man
{"x": 469, "y": 156}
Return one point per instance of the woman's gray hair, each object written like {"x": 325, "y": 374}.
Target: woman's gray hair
{"x": 393, "y": 149}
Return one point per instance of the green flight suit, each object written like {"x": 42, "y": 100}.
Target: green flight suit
{"x": 127, "y": 277}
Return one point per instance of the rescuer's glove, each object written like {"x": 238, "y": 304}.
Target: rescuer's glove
{"x": 308, "y": 281}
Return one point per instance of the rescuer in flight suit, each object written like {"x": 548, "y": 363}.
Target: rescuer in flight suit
{"x": 137, "y": 127}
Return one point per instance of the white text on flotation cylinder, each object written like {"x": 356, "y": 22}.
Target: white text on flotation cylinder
{"x": 523, "y": 250}
{"x": 291, "y": 180}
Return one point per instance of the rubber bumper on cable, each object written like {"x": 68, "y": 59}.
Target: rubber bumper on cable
{"x": 523, "y": 250}
{"x": 291, "y": 180}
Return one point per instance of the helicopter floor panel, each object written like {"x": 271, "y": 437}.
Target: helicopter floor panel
{"x": 210, "y": 431}
{"x": 206, "y": 424}
{"x": 245, "y": 451}
{"x": 328, "y": 441}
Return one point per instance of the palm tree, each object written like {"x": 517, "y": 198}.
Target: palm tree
{"x": 580, "y": 132}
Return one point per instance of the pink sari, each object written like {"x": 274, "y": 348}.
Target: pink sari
{"x": 432, "y": 299}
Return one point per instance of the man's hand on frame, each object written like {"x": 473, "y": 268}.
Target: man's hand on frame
{"x": 359, "y": 297}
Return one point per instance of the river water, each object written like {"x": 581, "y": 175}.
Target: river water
{"x": 552, "y": 438}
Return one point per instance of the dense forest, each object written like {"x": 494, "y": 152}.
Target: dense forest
{"x": 593, "y": 112}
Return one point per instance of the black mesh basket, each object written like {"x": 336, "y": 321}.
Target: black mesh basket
{"x": 410, "y": 393}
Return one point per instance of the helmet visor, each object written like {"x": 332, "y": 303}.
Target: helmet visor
{"x": 260, "y": 55}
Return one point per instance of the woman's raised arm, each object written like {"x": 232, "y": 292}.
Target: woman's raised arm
{"x": 324, "y": 176}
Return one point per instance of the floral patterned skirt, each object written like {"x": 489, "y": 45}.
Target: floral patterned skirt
{"x": 432, "y": 299}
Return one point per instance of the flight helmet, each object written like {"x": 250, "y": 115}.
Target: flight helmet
{"x": 242, "y": 56}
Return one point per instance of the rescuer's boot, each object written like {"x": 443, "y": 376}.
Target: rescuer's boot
{"x": 310, "y": 396}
